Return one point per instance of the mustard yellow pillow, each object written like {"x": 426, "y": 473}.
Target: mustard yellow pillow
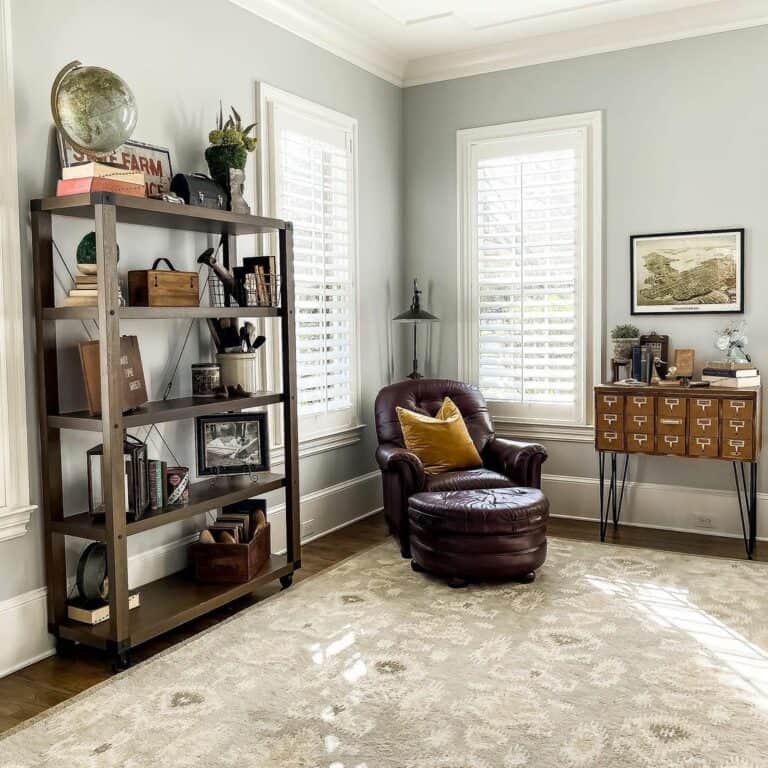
{"x": 443, "y": 442}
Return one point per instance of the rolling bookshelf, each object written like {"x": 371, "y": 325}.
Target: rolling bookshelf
{"x": 175, "y": 599}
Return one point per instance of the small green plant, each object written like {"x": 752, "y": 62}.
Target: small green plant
{"x": 231, "y": 132}
{"x": 625, "y": 331}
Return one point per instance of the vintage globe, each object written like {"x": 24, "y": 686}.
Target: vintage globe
{"x": 93, "y": 108}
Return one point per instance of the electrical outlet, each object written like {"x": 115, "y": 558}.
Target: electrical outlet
{"x": 703, "y": 521}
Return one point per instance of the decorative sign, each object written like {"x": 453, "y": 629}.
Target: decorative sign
{"x": 154, "y": 162}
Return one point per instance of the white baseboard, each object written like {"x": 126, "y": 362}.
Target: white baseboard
{"x": 24, "y": 637}
{"x": 651, "y": 505}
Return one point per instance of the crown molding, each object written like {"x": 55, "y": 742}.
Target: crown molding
{"x": 319, "y": 28}
{"x": 694, "y": 21}
{"x": 324, "y": 31}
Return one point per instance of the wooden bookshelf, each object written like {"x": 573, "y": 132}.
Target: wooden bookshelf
{"x": 171, "y": 601}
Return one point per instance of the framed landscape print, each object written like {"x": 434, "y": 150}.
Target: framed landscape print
{"x": 687, "y": 272}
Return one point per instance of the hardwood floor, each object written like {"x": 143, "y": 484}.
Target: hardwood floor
{"x": 36, "y": 688}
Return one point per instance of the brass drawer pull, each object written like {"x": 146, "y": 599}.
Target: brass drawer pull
{"x": 671, "y": 402}
{"x": 704, "y": 403}
{"x": 736, "y": 424}
{"x": 610, "y": 436}
{"x": 670, "y": 440}
{"x": 640, "y": 419}
{"x": 737, "y": 405}
{"x": 639, "y": 400}
{"x": 670, "y": 421}
{"x": 703, "y": 442}
{"x": 611, "y": 418}
{"x": 640, "y": 439}
{"x": 610, "y": 399}
{"x": 704, "y": 422}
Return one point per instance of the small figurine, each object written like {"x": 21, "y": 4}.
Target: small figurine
{"x": 237, "y": 202}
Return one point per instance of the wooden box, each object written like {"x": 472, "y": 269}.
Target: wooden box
{"x": 230, "y": 563}
{"x": 163, "y": 288}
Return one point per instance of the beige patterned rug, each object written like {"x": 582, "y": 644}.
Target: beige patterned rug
{"x": 614, "y": 657}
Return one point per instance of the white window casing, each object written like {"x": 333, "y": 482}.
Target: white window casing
{"x": 308, "y": 165}
{"x": 530, "y": 262}
{"x": 15, "y": 390}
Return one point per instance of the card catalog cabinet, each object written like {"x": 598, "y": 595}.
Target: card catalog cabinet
{"x": 715, "y": 423}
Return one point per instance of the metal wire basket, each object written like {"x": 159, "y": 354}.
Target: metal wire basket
{"x": 250, "y": 291}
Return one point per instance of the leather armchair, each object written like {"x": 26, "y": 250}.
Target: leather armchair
{"x": 506, "y": 463}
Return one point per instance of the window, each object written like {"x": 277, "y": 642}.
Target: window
{"x": 310, "y": 180}
{"x": 530, "y": 237}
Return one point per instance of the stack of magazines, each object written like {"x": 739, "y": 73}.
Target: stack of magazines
{"x": 726, "y": 373}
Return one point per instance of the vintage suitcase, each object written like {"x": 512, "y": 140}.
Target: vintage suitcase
{"x": 163, "y": 288}
{"x": 199, "y": 189}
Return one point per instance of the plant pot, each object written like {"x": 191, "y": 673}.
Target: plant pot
{"x": 222, "y": 157}
{"x": 622, "y": 348}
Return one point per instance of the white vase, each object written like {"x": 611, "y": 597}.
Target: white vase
{"x": 238, "y": 368}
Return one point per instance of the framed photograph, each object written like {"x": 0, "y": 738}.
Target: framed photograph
{"x": 232, "y": 444}
{"x": 687, "y": 272}
{"x": 153, "y": 161}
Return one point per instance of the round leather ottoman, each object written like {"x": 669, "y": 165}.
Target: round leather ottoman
{"x": 498, "y": 533}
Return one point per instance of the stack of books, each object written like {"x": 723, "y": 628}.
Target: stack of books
{"x": 100, "y": 177}
{"x": 86, "y": 292}
{"x": 725, "y": 373}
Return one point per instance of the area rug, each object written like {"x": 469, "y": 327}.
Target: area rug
{"x": 614, "y": 657}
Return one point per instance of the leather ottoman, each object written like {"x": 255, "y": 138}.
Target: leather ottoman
{"x": 498, "y": 533}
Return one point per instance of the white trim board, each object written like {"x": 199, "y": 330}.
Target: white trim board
{"x": 653, "y": 505}
{"x": 360, "y": 48}
{"x": 15, "y": 503}
{"x": 24, "y": 637}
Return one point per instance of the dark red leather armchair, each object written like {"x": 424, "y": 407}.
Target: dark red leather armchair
{"x": 506, "y": 463}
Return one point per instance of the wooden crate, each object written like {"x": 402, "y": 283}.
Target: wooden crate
{"x": 230, "y": 563}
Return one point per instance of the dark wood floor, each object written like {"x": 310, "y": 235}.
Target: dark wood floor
{"x": 34, "y": 689}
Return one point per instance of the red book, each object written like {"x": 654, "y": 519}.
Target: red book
{"x": 98, "y": 184}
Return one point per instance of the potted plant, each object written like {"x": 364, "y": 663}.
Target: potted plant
{"x": 230, "y": 145}
{"x": 624, "y": 337}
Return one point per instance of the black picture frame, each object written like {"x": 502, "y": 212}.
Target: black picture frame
{"x": 226, "y": 426}
{"x": 682, "y": 308}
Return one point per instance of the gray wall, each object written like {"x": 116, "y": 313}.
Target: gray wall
{"x": 686, "y": 147}
{"x": 180, "y": 57}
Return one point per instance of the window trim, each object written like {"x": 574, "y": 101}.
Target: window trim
{"x": 15, "y": 504}
{"x": 267, "y": 96}
{"x": 466, "y": 139}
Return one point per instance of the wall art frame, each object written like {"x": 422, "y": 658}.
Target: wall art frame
{"x": 696, "y": 272}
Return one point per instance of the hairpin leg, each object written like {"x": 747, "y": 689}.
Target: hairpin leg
{"x": 611, "y": 505}
{"x": 746, "y": 495}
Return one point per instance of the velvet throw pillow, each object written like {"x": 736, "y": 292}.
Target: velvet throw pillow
{"x": 443, "y": 442}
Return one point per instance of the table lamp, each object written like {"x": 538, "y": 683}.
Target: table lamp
{"x": 416, "y": 316}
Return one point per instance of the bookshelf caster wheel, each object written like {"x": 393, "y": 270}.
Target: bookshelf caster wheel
{"x": 121, "y": 661}
{"x": 64, "y": 648}
{"x": 286, "y": 581}
{"x": 415, "y": 567}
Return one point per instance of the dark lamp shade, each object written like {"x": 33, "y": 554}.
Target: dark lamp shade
{"x": 416, "y": 316}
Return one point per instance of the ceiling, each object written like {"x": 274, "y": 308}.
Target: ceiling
{"x": 409, "y": 42}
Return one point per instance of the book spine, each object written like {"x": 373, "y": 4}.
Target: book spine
{"x": 97, "y": 184}
{"x": 636, "y": 360}
{"x": 731, "y": 373}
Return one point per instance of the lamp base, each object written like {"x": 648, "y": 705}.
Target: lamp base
{"x": 414, "y": 375}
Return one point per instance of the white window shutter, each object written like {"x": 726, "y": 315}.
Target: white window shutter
{"x": 527, "y": 260}
{"x": 315, "y": 190}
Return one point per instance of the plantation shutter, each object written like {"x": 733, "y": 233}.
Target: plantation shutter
{"x": 528, "y": 255}
{"x": 314, "y": 190}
